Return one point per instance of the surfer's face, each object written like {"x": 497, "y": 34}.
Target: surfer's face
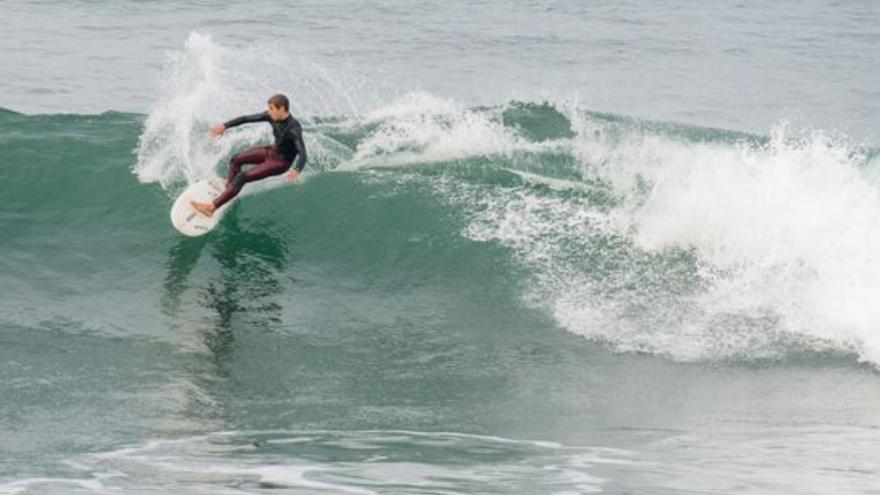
{"x": 276, "y": 113}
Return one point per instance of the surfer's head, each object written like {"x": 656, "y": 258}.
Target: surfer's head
{"x": 279, "y": 107}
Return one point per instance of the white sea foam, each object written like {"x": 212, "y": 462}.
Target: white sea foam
{"x": 775, "y": 245}
{"x": 419, "y": 128}
{"x": 321, "y": 461}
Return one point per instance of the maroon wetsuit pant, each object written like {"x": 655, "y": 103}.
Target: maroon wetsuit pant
{"x": 267, "y": 161}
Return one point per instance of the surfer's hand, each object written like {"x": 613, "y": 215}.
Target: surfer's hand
{"x": 293, "y": 176}
{"x": 218, "y": 129}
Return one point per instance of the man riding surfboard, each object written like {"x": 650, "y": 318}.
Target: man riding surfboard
{"x": 269, "y": 160}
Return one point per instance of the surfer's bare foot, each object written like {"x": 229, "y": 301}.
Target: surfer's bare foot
{"x": 206, "y": 209}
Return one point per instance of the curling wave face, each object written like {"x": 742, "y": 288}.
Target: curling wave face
{"x": 689, "y": 242}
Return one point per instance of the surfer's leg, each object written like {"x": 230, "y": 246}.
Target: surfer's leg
{"x": 233, "y": 187}
{"x": 235, "y": 179}
{"x": 252, "y": 155}
{"x": 274, "y": 165}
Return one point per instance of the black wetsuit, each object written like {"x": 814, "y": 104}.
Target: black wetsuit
{"x": 288, "y": 136}
{"x": 268, "y": 160}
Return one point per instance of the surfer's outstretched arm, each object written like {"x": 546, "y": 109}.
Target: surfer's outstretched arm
{"x": 244, "y": 119}
{"x": 247, "y": 119}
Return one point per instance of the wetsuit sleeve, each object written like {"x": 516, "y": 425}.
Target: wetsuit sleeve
{"x": 300, "y": 145}
{"x": 247, "y": 119}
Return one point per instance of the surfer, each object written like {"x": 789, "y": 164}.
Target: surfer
{"x": 268, "y": 160}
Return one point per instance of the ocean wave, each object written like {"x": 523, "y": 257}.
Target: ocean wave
{"x": 649, "y": 237}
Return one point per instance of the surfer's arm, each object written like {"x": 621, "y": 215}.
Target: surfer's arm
{"x": 301, "y": 156}
{"x": 247, "y": 119}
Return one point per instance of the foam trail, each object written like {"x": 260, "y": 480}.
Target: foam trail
{"x": 420, "y": 128}
{"x": 321, "y": 461}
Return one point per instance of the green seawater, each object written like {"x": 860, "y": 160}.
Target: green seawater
{"x": 415, "y": 318}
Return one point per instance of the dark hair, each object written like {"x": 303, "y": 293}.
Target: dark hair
{"x": 280, "y": 101}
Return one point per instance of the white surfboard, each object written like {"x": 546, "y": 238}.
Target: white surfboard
{"x": 186, "y": 219}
